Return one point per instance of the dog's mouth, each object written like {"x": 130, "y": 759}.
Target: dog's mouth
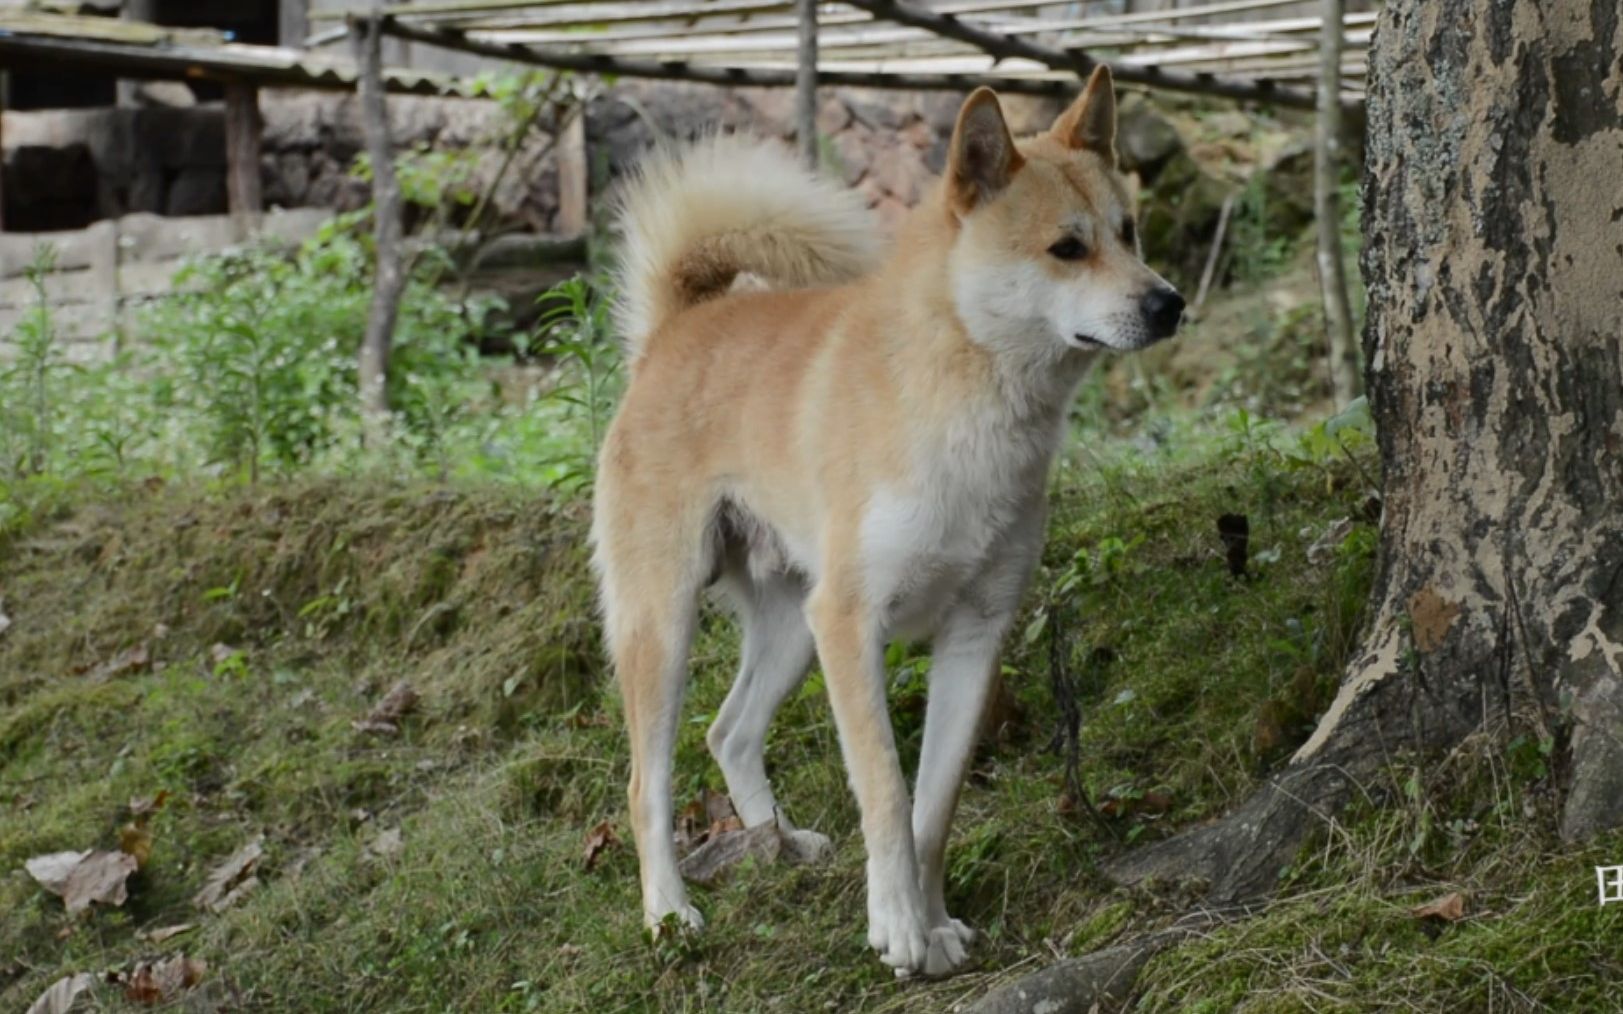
{"x": 1086, "y": 342}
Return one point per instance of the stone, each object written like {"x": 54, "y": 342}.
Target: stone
{"x": 1145, "y": 140}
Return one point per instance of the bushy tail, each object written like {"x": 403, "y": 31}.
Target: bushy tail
{"x": 694, "y": 218}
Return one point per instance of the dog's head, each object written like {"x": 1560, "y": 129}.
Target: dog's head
{"x": 1046, "y": 258}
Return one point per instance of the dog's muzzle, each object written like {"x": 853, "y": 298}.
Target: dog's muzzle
{"x": 1163, "y": 311}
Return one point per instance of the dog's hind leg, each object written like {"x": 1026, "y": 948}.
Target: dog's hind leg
{"x": 776, "y": 654}
{"x": 652, "y": 565}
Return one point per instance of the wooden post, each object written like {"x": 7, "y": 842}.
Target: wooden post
{"x": 5, "y": 97}
{"x": 292, "y": 23}
{"x": 134, "y": 10}
{"x": 367, "y": 37}
{"x": 806, "y": 84}
{"x": 1344, "y": 380}
{"x": 573, "y": 187}
{"x": 242, "y": 143}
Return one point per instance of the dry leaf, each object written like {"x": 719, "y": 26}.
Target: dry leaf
{"x": 156, "y": 982}
{"x": 58, "y": 999}
{"x": 385, "y": 717}
{"x": 163, "y": 933}
{"x": 231, "y": 880}
{"x": 598, "y": 840}
{"x": 1449, "y": 908}
{"x": 388, "y": 843}
{"x": 143, "y": 807}
{"x": 80, "y": 878}
{"x": 136, "y": 659}
{"x": 135, "y": 841}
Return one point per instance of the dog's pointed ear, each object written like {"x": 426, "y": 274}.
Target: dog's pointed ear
{"x": 982, "y": 157}
{"x": 1090, "y": 123}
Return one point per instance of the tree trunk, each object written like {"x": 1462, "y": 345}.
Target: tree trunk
{"x": 1494, "y": 256}
{"x": 386, "y": 231}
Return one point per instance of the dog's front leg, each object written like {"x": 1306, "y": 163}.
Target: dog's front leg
{"x": 962, "y": 673}
{"x": 850, "y": 645}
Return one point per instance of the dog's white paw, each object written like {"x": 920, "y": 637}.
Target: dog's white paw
{"x": 897, "y": 928}
{"x": 949, "y": 947}
{"x": 805, "y": 846}
{"x": 684, "y": 917}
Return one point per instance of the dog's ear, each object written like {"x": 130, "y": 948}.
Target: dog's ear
{"x": 981, "y": 158}
{"x": 1090, "y": 122}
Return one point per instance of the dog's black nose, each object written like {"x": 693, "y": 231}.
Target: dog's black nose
{"x": 1163, "y": 309}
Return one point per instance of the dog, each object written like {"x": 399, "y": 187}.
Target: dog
{"x": 855, "y": 451}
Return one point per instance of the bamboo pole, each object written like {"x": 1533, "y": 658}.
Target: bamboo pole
{"x": 806, "y": 84}
{"x": 1327, "y": 208}
{"x": 674, "y": 70}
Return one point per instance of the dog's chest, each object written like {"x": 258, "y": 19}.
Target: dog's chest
{"x": 924, "y": 540}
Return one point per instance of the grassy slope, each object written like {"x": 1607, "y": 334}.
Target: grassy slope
{"x": 1191, "y": 684}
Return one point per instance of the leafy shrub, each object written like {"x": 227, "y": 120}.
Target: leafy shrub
{"x": 260, "y": 348}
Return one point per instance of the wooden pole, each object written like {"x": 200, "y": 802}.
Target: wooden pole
{"x": 806, "y": 84}
{"x": 730, "y": 77}
{"x": 1344, "y": 381}
{"x": 367, "y": 38}
{"x": 242, "y": 144}
{"x": 573, "y": 185}
{"x": 1006, "y": 47}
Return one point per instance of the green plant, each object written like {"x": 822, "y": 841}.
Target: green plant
{"x": 261, "y": 350}
{"x": 27, "y": 408}
{"x": 574, "y": 332}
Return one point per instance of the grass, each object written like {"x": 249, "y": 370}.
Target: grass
{"x": 324, "y": 593}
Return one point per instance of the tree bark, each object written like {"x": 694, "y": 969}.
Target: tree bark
{"x": 1338, "y": 323}
{"x": 1493, "y": 229}
{"x": 386, "y": 230}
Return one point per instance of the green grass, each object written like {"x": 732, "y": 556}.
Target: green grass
{"x": 1191, "y": 683}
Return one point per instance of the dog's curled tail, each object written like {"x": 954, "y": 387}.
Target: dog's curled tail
{"x": 694, "y": 218}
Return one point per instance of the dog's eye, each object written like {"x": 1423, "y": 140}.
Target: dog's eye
{"x": 1129, "y": 232}
{"x": 1069, "y": 249}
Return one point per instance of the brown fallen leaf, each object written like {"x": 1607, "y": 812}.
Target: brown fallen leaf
{"x": 702, "y": 819}
{"x": 1449, "y": 908}
{"x": 163, "y": 933}
{"x": 599, "y": 840}
{"x": 130, "y": 660}
{"x": 385, "y": 716}
{"x": 80, "y": 878}
{"x": 230, "y": 881}
{"x": 59, "y": 997}
{"x": 157, "y": 982}
{"x": 140, "y": 806}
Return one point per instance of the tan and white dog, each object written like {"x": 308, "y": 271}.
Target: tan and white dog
{"x": 857, "y": 454}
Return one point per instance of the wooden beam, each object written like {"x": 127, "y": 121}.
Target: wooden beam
{"x": 1006, "y": 47}
{"x": 733, "y": 77}
{"x": 806, "y": 84}
{"x": 243, "y": 128}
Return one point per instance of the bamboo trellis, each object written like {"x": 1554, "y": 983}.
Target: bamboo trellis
{"x": 1252, "y": 50}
